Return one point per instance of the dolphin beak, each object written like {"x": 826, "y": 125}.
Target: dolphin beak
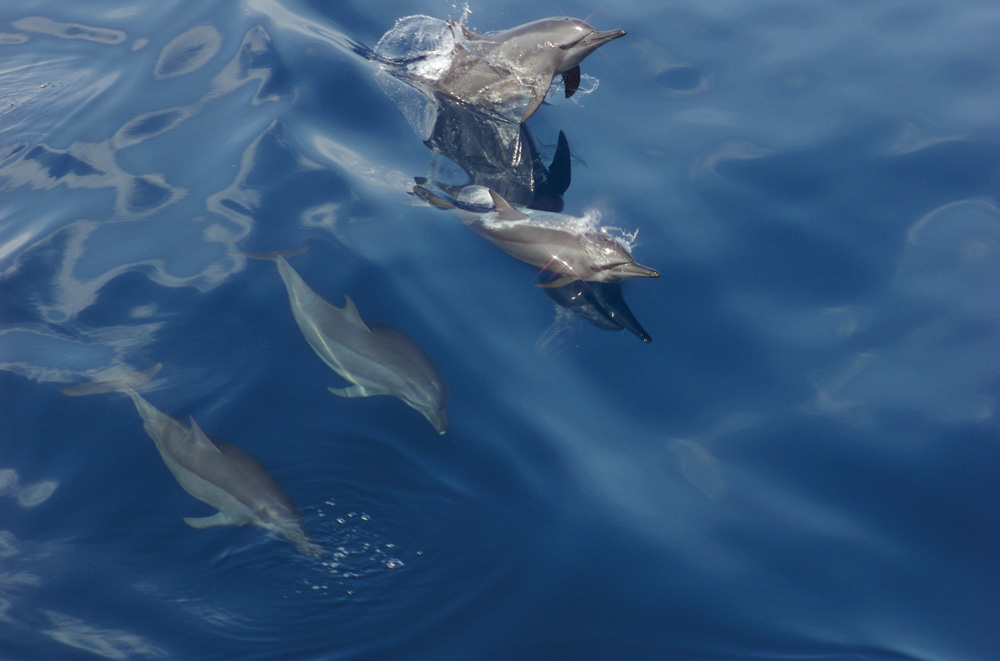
{"x": 438, "y": 418}
{"x": 596, "y": 39}
{"x": 636, "y": 271}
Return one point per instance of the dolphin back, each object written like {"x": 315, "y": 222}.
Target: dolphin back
{"x": 121, "y": 383}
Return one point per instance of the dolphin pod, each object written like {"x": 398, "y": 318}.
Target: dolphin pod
{"x": 502, "y": 68}
{"x": 376, "y": 359}
{"x": 210, "y": 469}
{"x": 462, "y": 70}
{"x": 477, "y": 91}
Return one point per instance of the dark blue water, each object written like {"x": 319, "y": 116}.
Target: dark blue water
{"x": 801, "y": 465}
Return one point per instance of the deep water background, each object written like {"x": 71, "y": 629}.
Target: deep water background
{"x": 802, "y": 464}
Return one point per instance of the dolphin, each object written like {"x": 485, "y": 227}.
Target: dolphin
{"x": 376, "y": 359}
{"x": 507, "y": 66}
{"x": 210, "y": 469}
{"x": 528, "y": 55}
{"x": 600, "y": 303}
{"x": 561, "y": 244}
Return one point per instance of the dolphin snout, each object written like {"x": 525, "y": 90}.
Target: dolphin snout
{"x": 599, "y": 38}
{"x": 438, "y": 418}
{"x": 636, "y": 271}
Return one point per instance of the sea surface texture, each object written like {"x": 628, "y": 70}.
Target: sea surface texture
{"x": 801, "y": 462}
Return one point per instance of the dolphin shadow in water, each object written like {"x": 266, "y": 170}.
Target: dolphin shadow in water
{"x": 376, "y": 359}
{"x": 600, "y": 303}
{"x": 499, "y": 155}
{"x": 210, "y": 469}
{"x": 507, "y": 72}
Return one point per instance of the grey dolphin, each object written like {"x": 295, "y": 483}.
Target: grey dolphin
{"x": 210, "y": 469}
{"x": 377, "y": 359}
{"x": 554, "y": 242}
{"x": 518, "y": 63}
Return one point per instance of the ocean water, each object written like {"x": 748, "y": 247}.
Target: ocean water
{"x": 801, "y": 464}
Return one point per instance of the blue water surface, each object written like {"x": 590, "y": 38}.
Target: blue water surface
{"x": 802, "y": 464}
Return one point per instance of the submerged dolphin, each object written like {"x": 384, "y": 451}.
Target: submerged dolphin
{"x": 510, "y": 65}
{"x": 567, "y": 246}
{"x": 213, "y": 471}
{"x": 600, "y": 303}
{"x": 377, "y": 359}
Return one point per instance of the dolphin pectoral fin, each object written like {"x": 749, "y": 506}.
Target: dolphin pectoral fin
{"x": 220, "y": 519}
{"x": 533, "y": 103}
{"x": 571, "y": 79}
{"x": 538, "y": 93}
{"x": 558, "y": 282}
{"x": 354, "y": 391}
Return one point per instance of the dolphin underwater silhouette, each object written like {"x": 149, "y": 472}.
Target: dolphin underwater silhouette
{"x": 554, "y": 242}
{"x": 376, "y": 359}
{"x": 210, "y": 469}
{"x": 600, "y": 303}
{"x": 511, "y": 65}
{"x": 499, "y": 155}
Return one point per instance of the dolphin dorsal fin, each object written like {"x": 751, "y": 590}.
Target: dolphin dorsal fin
{"x": 200, "y": 437}
{"x": 504, "y": 210}
{"x": 467, "y": 34}
{"x": 560, "y": 174}
{"x": 352, "y": 315}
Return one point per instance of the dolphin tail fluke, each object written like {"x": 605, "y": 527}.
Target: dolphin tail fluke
{"x": 122, "y": 383}
{"x": 302, "y": 542}
{"x": 423, "y": 191}
{"x": 271, "y": 256}
{"x": 538, "y": 93}
{"x": 310, "y": 549}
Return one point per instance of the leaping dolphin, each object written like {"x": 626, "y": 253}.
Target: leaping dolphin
{"x": 210, "y": 469}
{"x": 511, "y": 65}
{"x": 376, "y": 359}
{"x": 554, "y": 242}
